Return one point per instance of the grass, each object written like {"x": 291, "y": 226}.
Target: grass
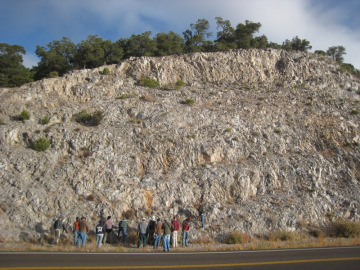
{"x": 203, "y": 244}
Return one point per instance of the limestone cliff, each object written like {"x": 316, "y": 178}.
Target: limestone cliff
{"x": 271, "y": 139}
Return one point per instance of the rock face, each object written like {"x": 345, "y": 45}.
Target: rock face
{"x": 271, "y": 139}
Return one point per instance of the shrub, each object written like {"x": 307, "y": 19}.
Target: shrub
{"x": 41, "y": 144}
{"x": 179, "y": 84}
{"x": 235, "y": 238}
{"x": 284, "y": 236}
{"x": 165, "y": 87}
{"x": 24, "y": 115}
{"x": 189, "y": 101}
{"x": 87, "y": 119}
{"x": 2, "y": 122}
{"x": 354, "y": 112}
{"x": 53, "y": 74}
{"x": 45, "y": 120}
{"x": 345, "y": 228}
{"x": 152, "y": 83}
{"x": 106, "y": 71}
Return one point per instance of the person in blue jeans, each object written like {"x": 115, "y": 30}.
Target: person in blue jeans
{"x": 123, "y": 224}
{"x": 84, "y": 229}
{"x": 158, "y": 233}
{"x": 143, "y": 229}
{"x": 186, "y": 228}
{"x": 167, "y": 226}
{"x": 202, "y": 215}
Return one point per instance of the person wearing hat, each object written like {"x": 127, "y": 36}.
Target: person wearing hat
{"x": 167, "y": 226}
{"x": 158, "y": 233}
{"x": 152, "y": 225}
{"x": 143, "y": 230}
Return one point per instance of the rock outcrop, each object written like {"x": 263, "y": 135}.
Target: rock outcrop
{"x": 271, "y": 139}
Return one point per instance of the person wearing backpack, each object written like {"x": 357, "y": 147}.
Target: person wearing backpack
{"x": 99, "y": 233}
{"x": 123, "y": 224}
{"x": 185, "y": 231}
{"x": 152, "y": 225}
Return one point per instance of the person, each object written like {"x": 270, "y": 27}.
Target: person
{"x": 174, "y": 232}
{"x": 202, "y": 215}
{"x": 152, "y": 225}
{"x": 166, "y": 226}
{"x": 142, "y": 230}
{"x": 99, "y": 233}
{"x": 76, "y": 230}
{"x": 57, "y": 226}
{"x": 84, "y": 229}
{"x": 109, "y": 224}
{"x": 158, "y": 233}
{"x": 185, "y": 230}
{"x": 123, "y": 224}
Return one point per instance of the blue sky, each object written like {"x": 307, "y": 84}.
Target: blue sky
{"x": 324, "y": 23}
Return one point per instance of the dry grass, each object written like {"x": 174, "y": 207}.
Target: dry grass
{"x": 204, "y": 244}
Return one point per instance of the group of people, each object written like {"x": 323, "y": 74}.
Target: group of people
{"x": 149, "y": 233}
{"x": 153, "y": 231}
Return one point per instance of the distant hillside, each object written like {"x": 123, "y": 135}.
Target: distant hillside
{"x": 267, "y": 139}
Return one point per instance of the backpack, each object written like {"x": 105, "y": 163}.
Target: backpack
{"x": 99, "y": 229}
{"x": 185, "y": 225}
{"x": 152, "y": 225}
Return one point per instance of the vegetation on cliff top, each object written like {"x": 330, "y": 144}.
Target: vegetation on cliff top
{"x": 61, "y": 56}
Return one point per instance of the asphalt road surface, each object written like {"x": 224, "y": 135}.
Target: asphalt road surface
{"x": 313, "y": 259}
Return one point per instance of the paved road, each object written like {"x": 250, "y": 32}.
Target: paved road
{"x": 314, "y": 259}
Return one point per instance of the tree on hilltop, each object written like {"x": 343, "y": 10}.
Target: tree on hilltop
{"x": 12, "y": 71}
{"x": 56, "y": 57}
{"x": 336, "y": 53}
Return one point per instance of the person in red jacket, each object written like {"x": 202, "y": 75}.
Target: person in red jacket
{"x": 186, "y": 228}
{"x": 174, "y": 232}
{"x": 76, "y": 230}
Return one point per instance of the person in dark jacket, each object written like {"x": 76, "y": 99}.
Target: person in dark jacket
{"x": 58, "y": 225}
{"x": 202, "y": 215}
{"x": 99, "y": 230}
{"x": 166, "y": 226}
{"x": 152, "y": 225}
